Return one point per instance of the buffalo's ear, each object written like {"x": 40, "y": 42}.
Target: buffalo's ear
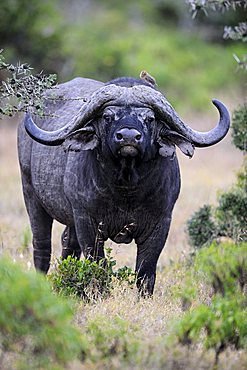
{"x": 82, "y": 139}
{"x": 167, "y": 149}
{"x": 167, "y": 141}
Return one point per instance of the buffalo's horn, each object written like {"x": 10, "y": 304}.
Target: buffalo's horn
{"x": 103, "y": 96}
{"x": 163, "y": 108}
{"x": 137, "y": 96}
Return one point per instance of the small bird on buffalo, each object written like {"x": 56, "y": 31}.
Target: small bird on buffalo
{"x": 145, "y": 76}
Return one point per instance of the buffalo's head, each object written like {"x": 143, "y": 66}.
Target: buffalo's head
{"x": 128, "y": 131}
{"x": 130, "y": 122}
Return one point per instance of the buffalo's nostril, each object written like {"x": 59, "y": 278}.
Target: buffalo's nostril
{"x": 128, "y": 136}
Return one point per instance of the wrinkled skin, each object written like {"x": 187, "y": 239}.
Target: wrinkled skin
{"x": 119, "y": 180}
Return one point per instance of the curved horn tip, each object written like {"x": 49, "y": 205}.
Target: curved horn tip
{"x": 38, "y": 134}
{"x": 222, "y": 109}
{"x": 28, "y": 123}
{"x": 220, "y": 105}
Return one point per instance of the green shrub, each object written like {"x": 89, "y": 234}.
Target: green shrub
{"x": 82, "y": 278}
{"x": 109, "y": 338}
{"x": 239, "y": 127}
{"x": 242, "y": 177}
{"x": 229, "y": 217}
{"x": 222, "y": 323}
{"x": 34, "y": 323}
{"x": 126, "y": 274}
{"x": 218, "y": 269}
{"x": 201, "y": 227}
{"x": 223, "y": 266}
{"x": 231, "y": 214}
{"x": 88, "y": 279}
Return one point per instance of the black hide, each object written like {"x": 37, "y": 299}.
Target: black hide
{"x": 99, "y": 187}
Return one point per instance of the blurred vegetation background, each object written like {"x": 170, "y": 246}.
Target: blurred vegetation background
{"x": 105, "y": 39}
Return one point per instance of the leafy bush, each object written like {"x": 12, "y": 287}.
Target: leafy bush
{"x": 201, "y": 227}
{"x": 222, "y": 323}
{"x": 228, "y": 219}
{"x": 239, "y": 127}
{"x": 223, "y": 266}
{"x": 242, "y": 176}
{"x": 231, "y": 214}
{"x": 109, "y": 338}
{"x": 216, "y": 269}
{"x": 34, "y": 323}
{"x": 82, "y": 278}
{"x": 125, "y": 274}
{"x": 88, "y": 279}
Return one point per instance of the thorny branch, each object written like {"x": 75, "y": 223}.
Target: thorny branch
{"x": 21, "y": 90}
{"x": 215, "y": 5}
{"x": 238, "y": 32}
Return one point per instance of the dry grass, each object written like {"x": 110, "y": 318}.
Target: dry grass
{"x": 210, "y": 170}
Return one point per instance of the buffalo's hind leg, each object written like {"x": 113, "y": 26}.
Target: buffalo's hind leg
{"x": 70, "y": 243}
{"x": 41, "y": 225}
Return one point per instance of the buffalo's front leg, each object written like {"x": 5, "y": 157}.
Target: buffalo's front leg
{"x": 70, "y": 243}
{"x": 148, "y": 253}
{"x": 90, "y": 237}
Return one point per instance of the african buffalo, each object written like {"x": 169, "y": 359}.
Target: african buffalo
{"x": 102, "y": 162}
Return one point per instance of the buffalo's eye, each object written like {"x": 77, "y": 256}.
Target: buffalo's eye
{"x": 108, "y": 117}
{"x": 149, "y": 119}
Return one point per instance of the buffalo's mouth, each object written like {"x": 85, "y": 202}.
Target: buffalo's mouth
{"x": 128, "y": 151}
{"x": 128, "y": 159}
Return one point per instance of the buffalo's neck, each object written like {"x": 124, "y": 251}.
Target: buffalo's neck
{"x": 98, "y": 185}
{"x": 126, "y": 173}
{"x": 130, "y": 177}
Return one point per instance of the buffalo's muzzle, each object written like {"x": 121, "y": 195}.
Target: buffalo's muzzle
{"x": 128, "y": 140}
{"x": 128, "y": 136}
{"x": 128, "y": 151}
